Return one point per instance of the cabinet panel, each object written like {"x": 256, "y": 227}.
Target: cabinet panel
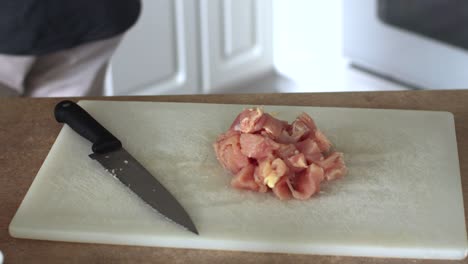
{"x": 158, "y": 55}
{"x": 236, "y": 41}
{"x": 239, "y": 26}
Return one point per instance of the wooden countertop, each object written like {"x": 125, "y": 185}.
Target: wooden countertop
{"x": 28, "y": 130}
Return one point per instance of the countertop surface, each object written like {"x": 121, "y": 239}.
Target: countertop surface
{"x": 28, "y": 130}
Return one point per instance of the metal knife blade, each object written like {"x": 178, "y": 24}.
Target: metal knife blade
{"x": 108, "y": 151}
{"x": 133, "y": 175}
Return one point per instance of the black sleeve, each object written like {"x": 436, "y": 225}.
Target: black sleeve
{"x": 37, "y": 27}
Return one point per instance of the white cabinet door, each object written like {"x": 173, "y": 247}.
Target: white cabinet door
{"x": 158, "y": 55}
{"x": 193, "y": 46}
{"x": 236, "y": 41}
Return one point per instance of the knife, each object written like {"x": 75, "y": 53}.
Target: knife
{"x": 108, "y": 151}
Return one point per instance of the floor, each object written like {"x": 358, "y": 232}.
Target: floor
{"x": 352, "y": 79}
{"x": 308, "y": 54}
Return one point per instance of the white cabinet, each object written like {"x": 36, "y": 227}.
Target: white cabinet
{"x": 193, "y": 46}
{"x": 236, "y": 41}
{"x": 158, "y": 55}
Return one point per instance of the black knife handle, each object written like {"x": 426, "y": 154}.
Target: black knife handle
{"x": 86, "y": 126}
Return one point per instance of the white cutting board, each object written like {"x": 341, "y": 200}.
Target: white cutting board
{"x": 401, "y": 198}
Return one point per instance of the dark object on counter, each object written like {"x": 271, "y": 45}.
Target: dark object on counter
{"x": 442, "y": 20}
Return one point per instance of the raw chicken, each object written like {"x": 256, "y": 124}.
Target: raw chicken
{"x": 264, "y": 153}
